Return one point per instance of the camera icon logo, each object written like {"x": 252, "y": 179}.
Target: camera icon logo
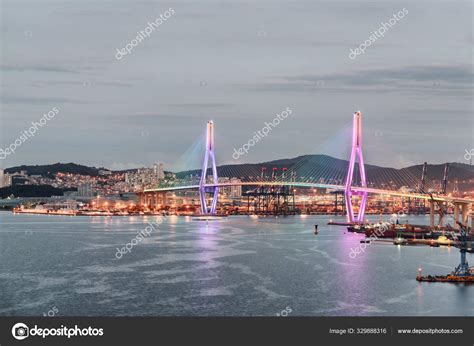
{"x": 20, "y": 331}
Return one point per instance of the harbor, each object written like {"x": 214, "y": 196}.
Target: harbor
{"x": 234, "y": 266}
{"x": 237, "y": 173}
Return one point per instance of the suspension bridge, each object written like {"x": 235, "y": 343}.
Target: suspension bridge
{"x": 352, "y": 183}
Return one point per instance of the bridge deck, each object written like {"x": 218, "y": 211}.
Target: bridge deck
{"x": 319, "y": 185}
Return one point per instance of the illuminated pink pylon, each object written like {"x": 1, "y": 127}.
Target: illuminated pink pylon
{"x": 356, "y": 151}
{"x": 202, "y": 183}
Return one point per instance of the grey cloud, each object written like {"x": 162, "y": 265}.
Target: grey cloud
{"x": 35, "y": 68}
{"x": 401, "y": 79}
{"x": 461, "y": 75}
{"x": 203, "y": 105}
{"x": 83, "y": 83}
{"x": 41, "y": 100}
{"x": 250, "y": 78}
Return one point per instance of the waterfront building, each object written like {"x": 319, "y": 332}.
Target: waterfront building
{"x": 232, "y": 192}
{"x": 7, "y": 180}
{"x": 235, "y": 191}
{"x": 161, "y": 171}
{"x": 104, "y": 172}
{"x": 85, "y": 190}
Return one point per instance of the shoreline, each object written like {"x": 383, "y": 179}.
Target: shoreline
{"x": 156, "y": 213}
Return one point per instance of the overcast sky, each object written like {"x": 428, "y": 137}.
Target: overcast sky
{"x": 238, "y": 63}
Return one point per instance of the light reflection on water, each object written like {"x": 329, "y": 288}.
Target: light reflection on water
{"x": 242, "y": 266}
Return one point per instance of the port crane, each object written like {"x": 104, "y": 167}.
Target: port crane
{"x": 461, "y": 273}
{"x": 463, "y": 268}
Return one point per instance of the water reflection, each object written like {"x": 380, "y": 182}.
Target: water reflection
{"x": 221, "y": 267}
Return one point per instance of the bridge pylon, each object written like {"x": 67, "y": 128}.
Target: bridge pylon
{"x": 202, "y": 188}
{"x": 356, "y": 152}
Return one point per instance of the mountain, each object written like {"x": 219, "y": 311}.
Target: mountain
{"x": 32, "y": 191}
{"x": 51, "y": 170}
{"x": 332, "y": 170}
{"x": 457, "y": 170}
{"x": 302, "y": 164}
{"x": 307, "y": 168}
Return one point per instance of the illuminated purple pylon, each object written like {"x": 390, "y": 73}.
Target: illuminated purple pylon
{"x": 202, "y": 183}
{"x": 356, "y": 151}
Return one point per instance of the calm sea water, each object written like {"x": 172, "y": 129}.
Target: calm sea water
{"x": 239, "y": 266}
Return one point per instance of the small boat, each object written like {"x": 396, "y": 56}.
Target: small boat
{"x": 375, "y": 229}
{"x": 443, "y": 240}
{"x": 390, "y": 230}
{"x": 357, "y": 228}
{"x": 400, "y": 241}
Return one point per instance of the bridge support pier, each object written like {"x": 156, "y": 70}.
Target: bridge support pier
{"x": 164, "y": 200}
{"x": 432, "y": 217}
{"x": 461, "y": 214}
{"x": 141, "y": 197}
{"x": 356, "y": 153}
{"x": 202, "y": 184}
{"x": 457, "y": 209}
{"x": 465, "y": 212}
